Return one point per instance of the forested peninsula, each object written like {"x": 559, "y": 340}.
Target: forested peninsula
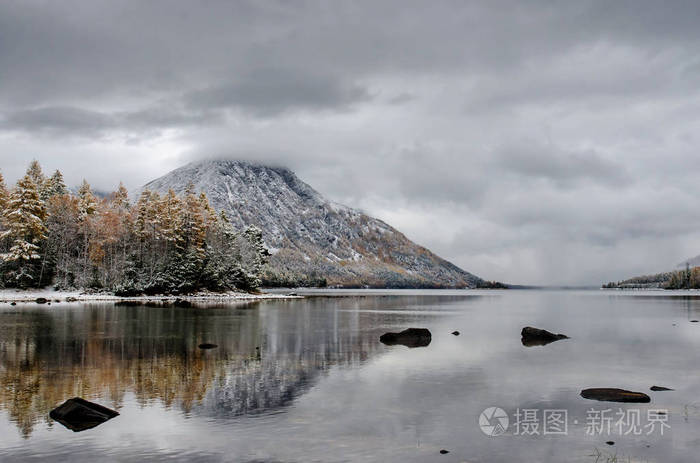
{"x": 155, "y": 244}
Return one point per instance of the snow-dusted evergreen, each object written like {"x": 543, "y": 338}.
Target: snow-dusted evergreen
{"x": 25, "y": 233}
{"x": 313, "y": 241}
{"x": 171, "y": 244}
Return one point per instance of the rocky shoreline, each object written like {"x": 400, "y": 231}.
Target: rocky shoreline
{"x": 50, "y": 296}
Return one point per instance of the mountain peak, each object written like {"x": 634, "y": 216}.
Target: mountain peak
{"x": 312, "y": 239}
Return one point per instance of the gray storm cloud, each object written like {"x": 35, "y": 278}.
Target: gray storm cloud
{"x": 531, "y": 142}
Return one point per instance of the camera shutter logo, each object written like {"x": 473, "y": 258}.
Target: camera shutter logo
{"x": 493, "y": 421}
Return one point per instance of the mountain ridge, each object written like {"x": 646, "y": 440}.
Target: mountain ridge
{"x": 313, "y": 240}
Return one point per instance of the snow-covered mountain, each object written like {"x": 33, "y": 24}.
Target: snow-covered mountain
{"x": 311, "y": 238}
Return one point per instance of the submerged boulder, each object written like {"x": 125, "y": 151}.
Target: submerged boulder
{"x": 537, "y": 337}
{"x": 78, "y": 414}
{"x": 606, "y": 394}
{"x": 41, "y": 300}
{"x": 660, "y": 388}
{"x": 207, "y": 345}
{"x": 411, "y": 337}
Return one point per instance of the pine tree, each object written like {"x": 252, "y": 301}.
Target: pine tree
{"x": 142, "y": 219}
{"x": 193, "y": 222}
{"x": 210, "y": 217}
{"x": 120, "y": 198}
{"x": 87, "y": 206}
{"x": 254, "y": 257}
{"x": 64, "y": 240}
{"x": 169, "y": 213}
{"x": 35, "y": 173}
{"x": 3, "y": 195}
{"x": 25, "y": 219}
{"x": 54, "y": 185}
{"x": 3, "y": 204}
{"x": 51, "y": 190}
{"x": 120, "y": 204}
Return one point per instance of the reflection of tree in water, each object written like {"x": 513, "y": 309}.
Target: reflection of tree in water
{"x": 103, "y": 351}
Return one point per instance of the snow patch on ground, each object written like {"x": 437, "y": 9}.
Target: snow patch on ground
{"x": 18, "y": 295}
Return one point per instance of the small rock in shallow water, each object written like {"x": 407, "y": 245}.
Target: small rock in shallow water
{"x": 615, "y": 395}
{"x": 537, "y": 337}
{"x": 411, "y": 337}
{"x": 41, "y": 300}
{"x": 456, "y": 333}
{"x": 13, "y": 303}
{"x": 660, "y": 388}
{"x": 444, "y": 452}
{"x": 610, "y": 442}
{"x": 207, "y": 345}
{"x": 78, "y": 414}
{"x": 184, "y": 303}
{"x": 694, "y": 321}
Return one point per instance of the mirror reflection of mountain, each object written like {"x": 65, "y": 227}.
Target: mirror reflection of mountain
{"x": 269, "y": 353}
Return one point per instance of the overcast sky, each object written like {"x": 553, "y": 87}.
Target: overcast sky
{"x": 529, "y": 142}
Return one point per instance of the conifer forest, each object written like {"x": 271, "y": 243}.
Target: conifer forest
{"x": 150, "y": 244}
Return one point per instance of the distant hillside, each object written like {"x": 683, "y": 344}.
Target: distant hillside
{"x": 688, "y": 278}
{"x": 313, "y": 241}
{"x": 658, "y": 280}
{"x": 668, "y": 280}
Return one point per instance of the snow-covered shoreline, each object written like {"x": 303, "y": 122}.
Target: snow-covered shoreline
{"x": 50, "y": 295}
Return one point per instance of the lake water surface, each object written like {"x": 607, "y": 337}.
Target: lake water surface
{"x": 308, "y": 380}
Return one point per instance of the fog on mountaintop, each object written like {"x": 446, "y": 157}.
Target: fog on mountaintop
{"x": 555, "y": 144}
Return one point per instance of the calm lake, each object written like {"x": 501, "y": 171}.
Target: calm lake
{"x": 308, "y": 380}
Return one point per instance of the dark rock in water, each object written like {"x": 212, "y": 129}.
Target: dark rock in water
{"x": 660, "y": 388}
{"x": 207, "y": 345}
{"x": 13, "y": 303}
{"x": 292, "y": 294}
{"x": 78, "y": 414}
{"x": 456, "y": 333}
{"x": 694, "y": 321}
{"x": 537, "y": 337}
{"x": 444, "y": 452}
{"x": 41, "y": 300}
{"x": 615, "y": 395}
{"x": 184, "y": 303}
{"x": 411, "y": 337}
{"x": 610, "y": 442}
{"x": 71, "y": 299}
